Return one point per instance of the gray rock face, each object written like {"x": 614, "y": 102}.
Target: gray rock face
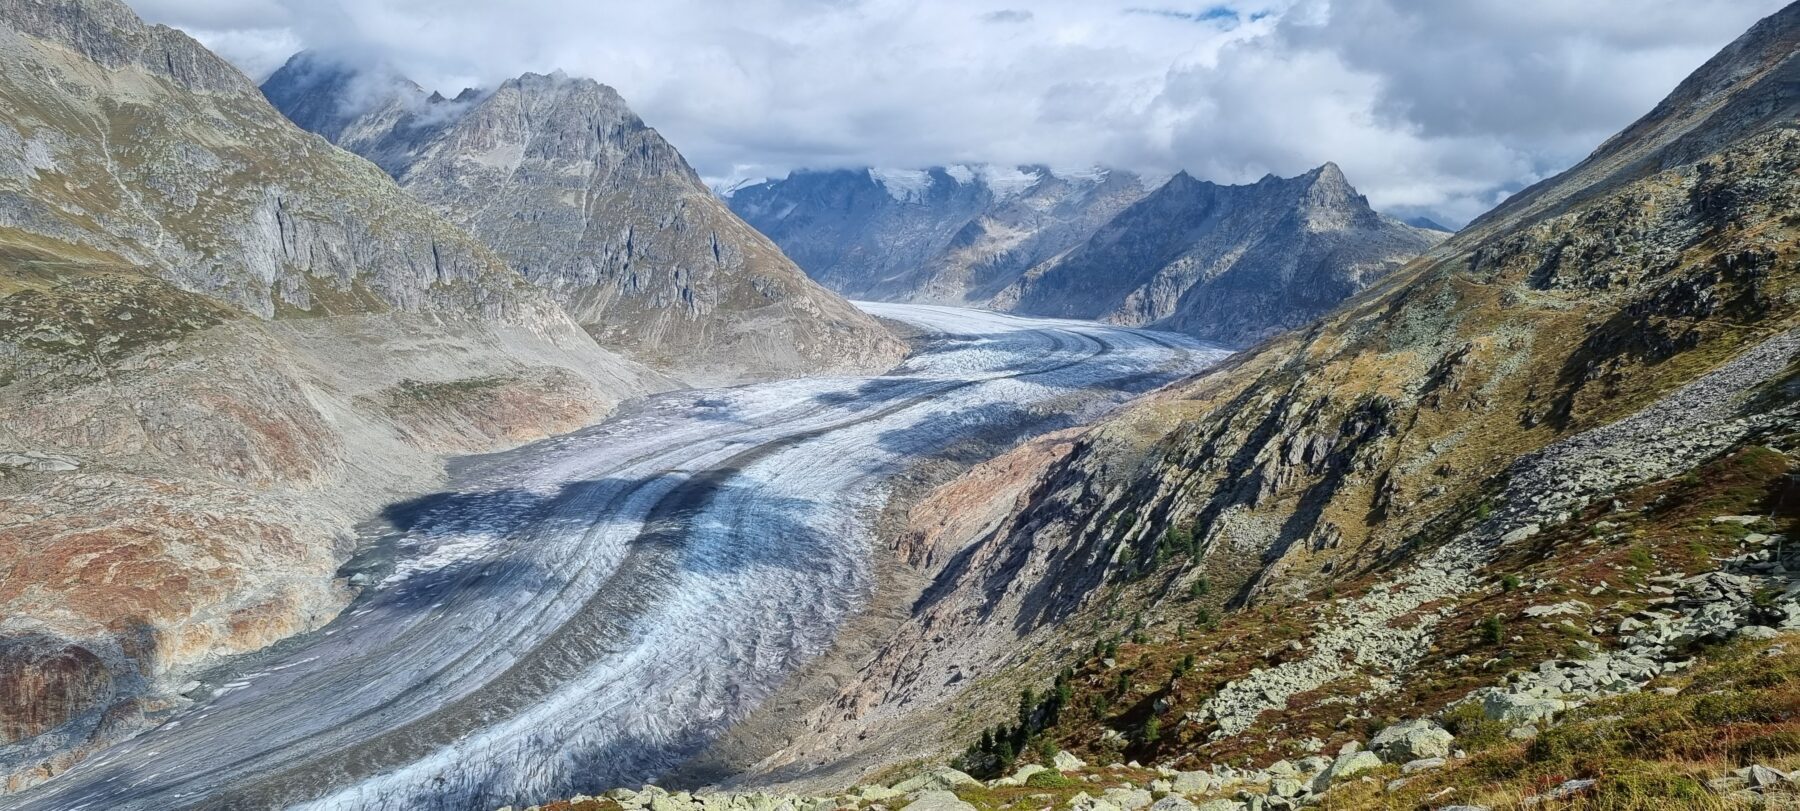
{"x": 1232, "y": 264}
{"x": 938, "y": 801}
{"x": 941, "y": 779}
{"x": 949, "y": 235}
{"x": 371, "y": 110}
{"x": 565, "y": 182}
{"x": 1412, "y": 740}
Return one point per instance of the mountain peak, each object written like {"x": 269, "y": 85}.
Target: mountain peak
{"x": 1329, "y": 174}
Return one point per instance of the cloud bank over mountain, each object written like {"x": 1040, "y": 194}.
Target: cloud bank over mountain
{"x": 1436, "y": 108}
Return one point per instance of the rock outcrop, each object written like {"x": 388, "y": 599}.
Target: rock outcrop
{"x": 1232, "y": 264}
{"x": 946, "y": 235}
{"x": 558, "y": 176}
{"x": 223, "y": 342}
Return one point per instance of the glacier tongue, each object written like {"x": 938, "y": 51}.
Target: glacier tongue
{"x": 593, "y": 609}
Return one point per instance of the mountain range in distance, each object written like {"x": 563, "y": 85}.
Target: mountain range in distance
{"x": 1230, "y": 264}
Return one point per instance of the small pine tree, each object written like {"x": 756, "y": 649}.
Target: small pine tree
{"x": 1027, "y": 707}
{"x": 1152, "y": 730}
{"x": 1199, "y": 588}
{"x": 1493, "y": 630}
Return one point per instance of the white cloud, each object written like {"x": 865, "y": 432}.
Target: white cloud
{"x": 1430, "y": 106}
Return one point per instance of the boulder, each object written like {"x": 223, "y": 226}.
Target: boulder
{"x": 1220, "y": 805}
{"x": 1423, "y": 764}
{"x": 1519, "y": 709}
{"x": 1286, "y": 787}
{"x": 1065, "y": 762}
{"x": 939, "y": 779}
{"x": 1193, "y": 782}
{"x": 1172, "y": 803}
{"x": 1347, "y": 765}
{"x": 876, "y": 793}
{"x": 1130, "y": 799}
{"x": 1026, "y": 771}
{"x": 1412, "y": 740}
{"x": 937, "y": 800}
{"x": 1764, "y": 777}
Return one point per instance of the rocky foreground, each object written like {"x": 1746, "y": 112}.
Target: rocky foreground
{"x": 1691, "y": 629}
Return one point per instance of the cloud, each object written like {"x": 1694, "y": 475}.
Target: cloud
{"x": 1217, "y": 15}
{"x": 1008, "y": 15}
{"x": 1432, "y": 108}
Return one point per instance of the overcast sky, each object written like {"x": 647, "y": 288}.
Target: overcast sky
{"x": 1431, "y": 106}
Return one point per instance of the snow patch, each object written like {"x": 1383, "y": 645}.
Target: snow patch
{"x": 1010, "y": 181}
{"x": 904, "y": 185}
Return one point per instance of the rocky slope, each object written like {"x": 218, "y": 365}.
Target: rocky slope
{"x": 558, "y": 176}
{"x": 1327, "y": 520}
{"x": 955, "y": 235}
{"x": 1233, "y": 264}
{"x": 222, "y": 342}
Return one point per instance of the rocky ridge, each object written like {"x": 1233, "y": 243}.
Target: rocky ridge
{"x": 945, "y": 235}
{"x": 582, "y": 198}
{"x": 1232, "y": 264}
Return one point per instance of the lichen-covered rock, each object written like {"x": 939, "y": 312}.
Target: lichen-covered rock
{"x": 937, "y": 800}
{"x": 1412, "y": 740}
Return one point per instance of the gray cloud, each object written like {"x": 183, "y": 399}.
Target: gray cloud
{"x": 1430, "y": 107}
{"x": 1008, "y": 15}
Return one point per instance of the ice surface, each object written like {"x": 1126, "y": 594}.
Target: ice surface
{"x": 590, "y": 610}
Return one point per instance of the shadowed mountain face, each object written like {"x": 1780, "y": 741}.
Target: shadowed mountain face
{"x": 955, "y": 235}
{"x": 1233, "y": 264}
{"x": 558, "y": 176}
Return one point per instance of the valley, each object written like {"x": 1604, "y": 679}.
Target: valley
{"x": 593, "y": 609}
{"x": 394, "y": 421}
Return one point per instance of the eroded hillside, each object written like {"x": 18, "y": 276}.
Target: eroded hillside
{"x": 222, "y": 343}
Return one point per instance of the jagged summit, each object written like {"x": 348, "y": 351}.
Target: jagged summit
{"x": 566, "y": 182}
{"x": 1232, "y": 264}
{"x": 953, "y": 234}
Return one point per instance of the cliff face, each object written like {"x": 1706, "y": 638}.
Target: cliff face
{"x": 222, "y": 342}
{"x": 956, "y": 235}
{"x": 585, "y": 201}
{"x": 1607, "y": 330}
{"x": 1233, "y": 264}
